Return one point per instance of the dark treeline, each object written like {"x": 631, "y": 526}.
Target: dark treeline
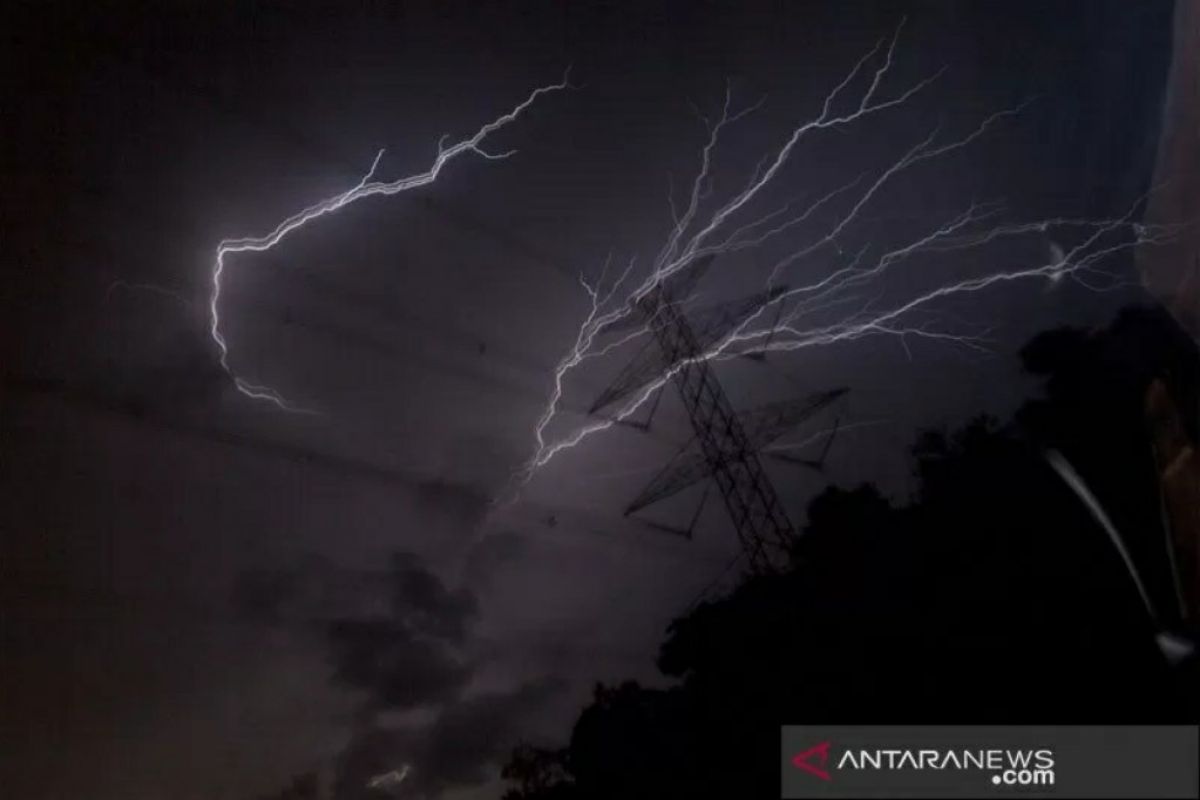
{"x": 991, "y": 596}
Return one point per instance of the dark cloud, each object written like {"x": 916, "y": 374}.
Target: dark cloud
{"x": 395, "y": 634}
{"x": 372, "y": 752}
{"x": 400, "y": 668}
{"x": 462, "y": 746}
{"x": 408, "y": 658}
{"x": 413, "y": 659}
{"x": 491, "y": 552}
{"x": 403, "y": 639}
{"x": 462, "y": 504}
{"x": 425, "y": 604}
{"x": 477, "y": 733}
{"x": 311, "y": 590}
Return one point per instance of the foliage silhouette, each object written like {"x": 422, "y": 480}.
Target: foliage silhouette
{"x": 992, "y": 596}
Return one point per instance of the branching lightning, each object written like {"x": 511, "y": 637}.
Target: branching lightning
{"x": 707, "y": 227}
{"x": 368, "y": 186}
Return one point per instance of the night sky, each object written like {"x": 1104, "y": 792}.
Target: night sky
{"x": 193, "y": 580}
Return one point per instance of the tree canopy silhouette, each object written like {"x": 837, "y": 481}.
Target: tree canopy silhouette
{"x": 991, "y": 596}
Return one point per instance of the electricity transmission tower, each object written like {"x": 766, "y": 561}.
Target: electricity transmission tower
{"x": 723, "y": 447}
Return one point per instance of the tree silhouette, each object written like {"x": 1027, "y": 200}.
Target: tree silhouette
{"x": 992, "y": 596}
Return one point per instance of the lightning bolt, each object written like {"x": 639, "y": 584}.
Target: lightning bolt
{"x": 368, "y": 186}
{"x": 707, "y": 227}
{"x": 389, "y": 781}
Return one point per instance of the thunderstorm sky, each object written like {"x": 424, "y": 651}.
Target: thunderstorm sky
{"x": 174, "y": 550}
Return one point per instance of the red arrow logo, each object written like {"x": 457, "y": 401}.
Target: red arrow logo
{"x": 805, "y": 760}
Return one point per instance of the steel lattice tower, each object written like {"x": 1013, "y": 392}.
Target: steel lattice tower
{"x": 727, "y": 444}
{"x": 758, "y": 517}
